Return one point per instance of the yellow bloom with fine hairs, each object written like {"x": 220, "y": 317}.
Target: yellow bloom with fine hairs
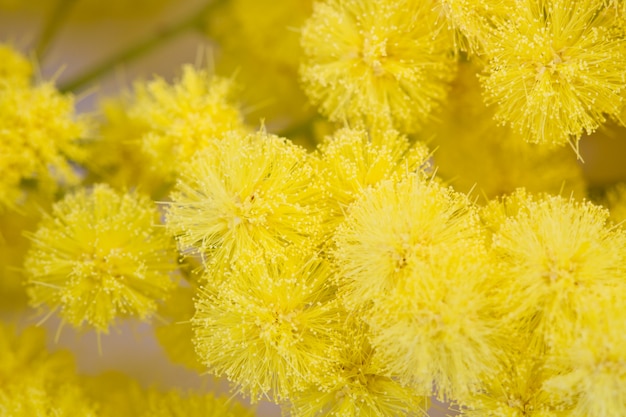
{"x": 354, "y": 159}
{"x": 555, "y": 68}
{"x": 560, "y": 259}
{"x": 100, "y": 255}
{"x": 268, "y": 325}
{"x": 393, "y": 229}
{"x": 385, "y": 63}
{"x": 40, "y": 135}
{"x": 168, "y": 123}
{"x": 246, "y": 193}
{"x": 438, "y": 330}
{"x": 516, "y": 389}
{"x": 357, "y": 383}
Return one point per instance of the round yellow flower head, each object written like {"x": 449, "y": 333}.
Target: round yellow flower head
{"x": 474, "y": 152}
{"x": 268, "y": 325}
{"x": 560, "y": 260}
{"x": 39, "y": 136}
{"x": 555, "y": 68}
{"x": 168, "y": 123}
{"x": 438, "y": 330}
{"x": 357, "y": 383}
{"x": 393, "y": 229}
{"x": 354, "y": 159}
{"x": 385, "y": 63}
{"x": 100, "y": 256}
{"x": 246, "y": 193}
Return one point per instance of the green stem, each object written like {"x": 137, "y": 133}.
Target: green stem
{"x": 52, "y": 26}
{"x": 141, "y": 48}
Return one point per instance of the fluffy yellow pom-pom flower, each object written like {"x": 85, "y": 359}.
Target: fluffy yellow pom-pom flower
{"x": 561, "y": 260}
{"x": 268, "y": 325}
{"x": 357, "y": 383}
{"x": 246, "y": 193}
{"x": 393, "y": 229}
{"x": 100, "y": 256}
{"x": 14, "y": 67}
{"x": 439, "y": 328}
{"x": 555, "y": 68}
{"x": 39, "y": 135}
{"x": 166, "y": 124}
{"x": 354, "y": 159}
{"x": 386, "y": 63}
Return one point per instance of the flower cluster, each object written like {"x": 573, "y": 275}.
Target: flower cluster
{"x": 363, "y": 207}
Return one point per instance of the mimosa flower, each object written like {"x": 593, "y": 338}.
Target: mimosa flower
{"x": 385, "y": 63}
{"x": 555, "y": 68}
{"x": 100, "y": 256}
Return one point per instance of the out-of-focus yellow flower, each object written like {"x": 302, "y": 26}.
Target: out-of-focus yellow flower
{"x": 386, "y": 63}
{"x": 590, "y": 372}
{"x": 34, "y": 382}
{"x": 555, "y": 68}
{"x": 39, "y": 135}
{"x": 259, "y": 41}
{"x": 14, "y": 67}
{"x": 151, "y": 133}
{"x": 475, "y": 153}
{"x": 100, "y": 256}
{"x": 177, "y": 404}
{"x": 175, "y": 333}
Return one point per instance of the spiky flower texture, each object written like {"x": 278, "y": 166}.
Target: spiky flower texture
{"x": 555, "y": 68}
{"x": 100, "y": 256}
{"x": 246, "y": 194}
{"x": 384, "y": 63}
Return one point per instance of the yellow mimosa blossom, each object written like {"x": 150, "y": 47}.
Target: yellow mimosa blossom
{"x": 555, "y": 68}
{"x": 475, "y": 153}
{"x": 246, "y": 193}
{"x": 268, "y": 325}
{"x": 39, "y": 134}
{"x": 516, "y": 390}
{"x": 560, "y": 259}
{"x": 385, "y": 63}
{"x": 354, "y": 159}
{"x": 254, "y": 34}
{"x": 438, "y": 329}
{"x": 100, "y": 255}
{"x": 357, "y": 384}
{"x": 34, "y": 382}
{"x": 393, "y": 229}
{"x": 168, "y": 123}
{"x": 591, "y": 372}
